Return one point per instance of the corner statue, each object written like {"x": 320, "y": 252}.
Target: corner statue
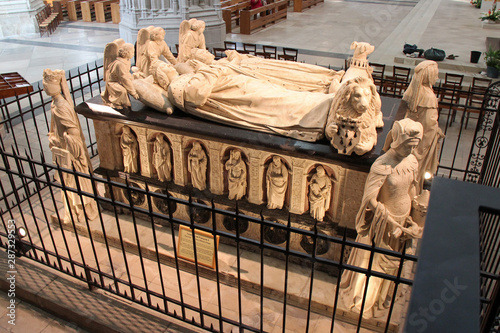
{"x": 384, "y": 218}
{"x": 67, "y": 143}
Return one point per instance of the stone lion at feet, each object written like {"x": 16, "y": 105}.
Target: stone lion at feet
{"x": 351, "y": 125}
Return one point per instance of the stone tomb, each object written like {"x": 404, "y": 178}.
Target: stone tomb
{"x": 181, "y": 132}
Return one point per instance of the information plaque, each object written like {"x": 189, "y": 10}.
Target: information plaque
{"x": 205, "y": 250}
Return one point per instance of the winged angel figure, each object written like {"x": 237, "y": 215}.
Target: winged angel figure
{"x": 117, "y": 55}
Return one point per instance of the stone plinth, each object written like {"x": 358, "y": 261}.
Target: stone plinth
{"x": 17, "y": 17}
{"x": 181, "y": 131}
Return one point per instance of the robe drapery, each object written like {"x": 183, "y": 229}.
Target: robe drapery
{"x": 374, "y": 226}
{"x": 118, "y": 84}
{"x": 277, "y": 183}
{"x": 66, "y": 135}
{"x": 291, "y": 75}
{"x": 218, "y": 93}
{"x": 237, "y": 179}
{"x": 197, "y": 166}
{"x": 130, "y": 151}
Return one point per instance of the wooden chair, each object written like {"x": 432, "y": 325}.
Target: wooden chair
{"x": 378, "y": 74}
{"x": 268, "y": 52}
{"x": 250, "y": 48}
{"x": 398, "y": 82}
{"x": 289, "y": 54}
{"x": 229, "y": 45}
{"x": 450, "y": 93}
{"x": 347, "y": 63}
{"x": 475, "y": 97}
{"x": 219, "y": 52}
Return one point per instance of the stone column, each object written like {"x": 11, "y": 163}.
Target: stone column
{"x": 168, "y": 14}
{"x": 216, "y": 168}
{"x": 142, "y": 139}
{"x": 18, "y": 17}
{"x": 256, "y": 172}
{"x": 298, "y": 189}
{"x": 178, "y": 159}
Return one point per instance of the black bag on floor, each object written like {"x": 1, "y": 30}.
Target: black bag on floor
{"x": 409, "y": 48}
{"x": 434, "y": 54}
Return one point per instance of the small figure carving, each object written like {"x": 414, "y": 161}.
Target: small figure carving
{"x": 236, "y": 175}
{"x": 276, "y": 183}
{"x": 320, "y": 192}
{"x": 151, "y": 46}
{"x": 358, "y": 64}
{"x": 161, "y": 159}
{"x": 141, "y": 61}
{"x": 197, "y": 166}
{"x": 68, "y": 147}
{"x": 157, "y": 47}
{"x": 351, "y": 126}
{"x": 190, "y": 37}
{"x": 117, "y": 75}
{"x": 130, "y": 150}
{"x": 384, "y": 218}
{"x": 422, "y": 106}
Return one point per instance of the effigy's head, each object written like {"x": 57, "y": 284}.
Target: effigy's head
{"x": 406, "y": 135}
{"x": 202, "y": 55}
{"x": 157, "y": 34}
{"x": 276, "y": 160}
{"x": 163, "y": 73}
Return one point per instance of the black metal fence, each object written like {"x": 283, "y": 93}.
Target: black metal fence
{"x": 132, "y": 251}
{"x": 490, "y": 269}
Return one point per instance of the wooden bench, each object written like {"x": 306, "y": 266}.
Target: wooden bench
{"x": 88, "y": 13}
{"x": 232, "y": 12}
{"x": 59, "y": 6}
{"x": 115, "y": 12}
{"x": 299, "y": 5}
{"x": 269, "y": 13}
{"x": 74, "y": 10}
{"x": 103, "y": 10}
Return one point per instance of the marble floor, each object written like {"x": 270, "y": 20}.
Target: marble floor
{"x": 323, "y": 35}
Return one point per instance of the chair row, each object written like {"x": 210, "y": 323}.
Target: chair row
{"x": 47, "y": 20}
{"x": 452, "y": 94}
{"x": 268, "y": 52}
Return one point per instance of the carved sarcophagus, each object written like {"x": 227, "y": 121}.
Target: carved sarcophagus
{"x": 278, "y": 177}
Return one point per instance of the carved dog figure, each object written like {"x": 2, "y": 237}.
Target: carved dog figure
{"x": 351, "y": 125}
{"x": 358, "y": 65}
